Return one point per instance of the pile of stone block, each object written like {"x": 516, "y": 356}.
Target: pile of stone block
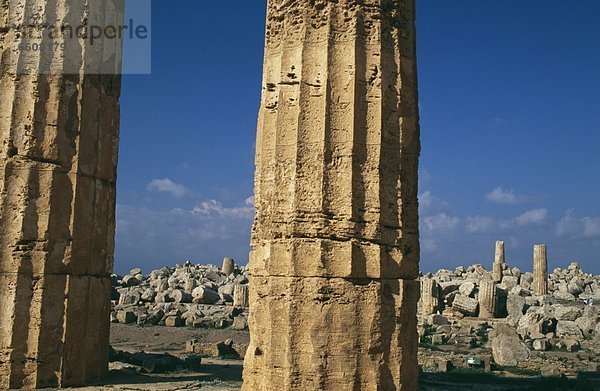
{"x": 187, "y": 295}
{"x": 510, "y": 312}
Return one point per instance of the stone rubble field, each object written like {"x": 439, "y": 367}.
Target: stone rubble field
{"x": 469, "y": 319}
{"x": 463, "y": 325}
{"x": 200, "y": 296}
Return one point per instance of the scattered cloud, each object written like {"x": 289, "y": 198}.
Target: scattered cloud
{"x": 535, "y": 216}
{"x": 424, "y": 177}
{"x": 502, "y": 196}
{"x": 591, "y": 227}
{"x": 429, "y": 202}
{"x": 480, "y": 224}
{"x": 215, "y": 208}
{"x": 166, "y": 185}
{"x": 573, "y": 227}
{"x": 441, "y": 222}
{"x": 429, "y": 245}
{"x": 499, "y": 121}
{"x": 205, "y": 233}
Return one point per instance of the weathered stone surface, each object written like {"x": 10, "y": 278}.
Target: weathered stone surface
{"x": 41, "y": 318}
{"x": 499, "y": 262}
{"x": 467, "y": 288}
{"x": 336, "y": 184}
{"x": 228, "y": 266}
{"x": 566, "y": 312}
{"x": 126, "y": 316}
{"x": 563, "y": 295}
{"x": 540, "y": 345}
{"x": 241, "y": 296}
{"x": 203, "y": 295}
{"x": 515, "y": 306}
{"x": 465, "y": 305}
{"x": 335, "y": 247}
{"x": 540, "y": 270}
{"x": 59, "y": 137}
{"x": 586, "y": 325}
{"x": 567, "y": 328}
{"x": 448, "y": 287}
{"x": 507, "y": 348}
{"x": 339, "y": 320}
{"x": 430, "y": 296}
{"x": 488, "y": 299}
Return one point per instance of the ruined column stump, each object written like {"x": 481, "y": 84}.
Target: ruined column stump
{"x": 228, "y": 266}
{"x": 241, "y": 297}
{"x": 58, "y": 154}
{"x": 333, "y": 295}
{"x": 430, "y": 296}
{"x": 499, "y": 262}
{"x": 488, "y": 299}
{"x": 540, "y": 270}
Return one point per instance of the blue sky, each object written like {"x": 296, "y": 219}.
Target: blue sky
{"x": 510, "y": 117}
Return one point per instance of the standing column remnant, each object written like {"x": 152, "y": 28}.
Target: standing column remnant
{"x": 228, "y": 266}
{"x": 430, "y": 292}
{"x": 488, "y": 299}
{"x": 240, "y": 296}
{"x": 333, "y": 292}
{"x": 499, "y": 262}
{"x": 540, "y": 270}
{"x": 59, "y": 130}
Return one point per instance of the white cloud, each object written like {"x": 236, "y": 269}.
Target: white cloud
{"x": 167, "y": 186}
{"x": 429, "y": 202}
{"x": 591, "y": 227}
{"x": 215, "y": 208}
{"x": 502, "y": 196}
{"x": 480, "y": 224}
{"x": 441, "y": 222}
{"x": 573, "y": 227}
{"x": 535, "y": 216}
{"x": 424, "y": 177}
{"x": 206, "y": 233}
{"x": 428, "y": 245}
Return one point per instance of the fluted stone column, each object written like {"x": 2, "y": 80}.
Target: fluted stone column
{"x": 499, "y": 262}
{"x": 488, "y": 299}
{"x": 58, "y": 154}
{"x": 240, "y": 296}
{"x": 333, "y": 294}
{"x": 430, "y": 296}
{"x": 540, "y": 270}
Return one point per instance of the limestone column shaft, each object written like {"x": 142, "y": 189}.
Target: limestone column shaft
{"x": 58, "y": 154}
{"x": 430, "y": 293}
{"x": 540, "y": 270}
{"x": 499, "y": 262}
{"x": 488, "y": 299}
{"x": 335, "y": 240}
{"x": 240, "y": 296}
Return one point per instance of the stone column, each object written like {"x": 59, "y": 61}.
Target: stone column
{"x": 540, "y": 270}
{"x": 488, "y": 299}
{"x": 228, "y": 266}
{"x": 240, "y": 296}
{"x": 58, "y": 154}
{"x": 333, "y": 294}
{"x": 499, "y": 262}
{"x": 430, "y": 292}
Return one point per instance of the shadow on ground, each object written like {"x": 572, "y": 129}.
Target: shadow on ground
{"x": 214, "y": 375}
{"x": 485, "y": 381}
